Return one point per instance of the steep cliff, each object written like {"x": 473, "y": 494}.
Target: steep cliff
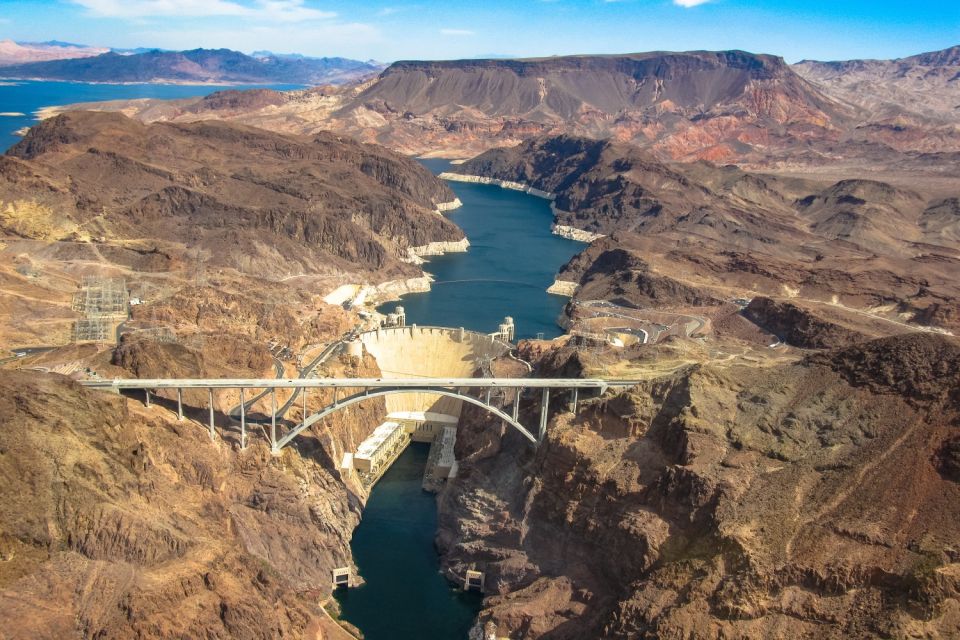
{"x": 120, "y": 522}
{"x": 811, "y": 499}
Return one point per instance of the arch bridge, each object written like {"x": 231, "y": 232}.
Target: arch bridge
{"x": 475, "y": 391}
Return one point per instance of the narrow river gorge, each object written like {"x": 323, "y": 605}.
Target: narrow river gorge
{"x": 512, "y": 260}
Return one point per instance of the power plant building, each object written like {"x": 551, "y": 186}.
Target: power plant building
{"x": 377, "y": 452}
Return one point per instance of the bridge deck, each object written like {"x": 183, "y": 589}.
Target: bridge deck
{"x": 413, "y": 383}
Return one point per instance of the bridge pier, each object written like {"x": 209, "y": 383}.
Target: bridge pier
{"x": 516, "y": 403}
{"x": 273, "y": 422}
{"x": 179, "y": 403}
{"x": 243, "y": 421}
{"x": 573, "y": 400}
{"x": 147, "y": 392}
{"x": 213, "y": 433}
{"x": 544, "y": 412}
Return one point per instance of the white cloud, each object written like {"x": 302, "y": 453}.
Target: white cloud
{"x": 262, "y": 10}
{"x": 456, "y": 32}
{"x": 686, "y": 4}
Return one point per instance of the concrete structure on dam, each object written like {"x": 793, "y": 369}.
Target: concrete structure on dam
{"x": 414, "y": 352}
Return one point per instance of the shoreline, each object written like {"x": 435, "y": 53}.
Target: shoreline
{"x": 417, "y": 255}
{"x": 442, "y": 207}
{"x": 503, "y": 184}
{"x": 564, "y": 231}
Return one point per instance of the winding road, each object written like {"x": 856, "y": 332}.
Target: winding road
{"x": 305, "y": 372}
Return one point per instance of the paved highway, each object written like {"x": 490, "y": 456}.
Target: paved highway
{"x": 118, "y": 384}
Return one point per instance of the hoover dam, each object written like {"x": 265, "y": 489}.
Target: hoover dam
{"x": 413, "y": 352}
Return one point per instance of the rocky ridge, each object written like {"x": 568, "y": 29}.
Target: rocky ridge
{"x": 729, "y": 502}
{"x": 673, "y": 235}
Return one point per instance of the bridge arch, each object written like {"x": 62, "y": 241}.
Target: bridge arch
{"x": 364, "y": 395}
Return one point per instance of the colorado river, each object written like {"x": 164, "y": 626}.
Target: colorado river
{"x": 405, "y": 597}
{"x": 512, "y": 259}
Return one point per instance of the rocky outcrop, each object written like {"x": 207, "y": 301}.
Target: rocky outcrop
{"x": 120, "y": 522}
{"x": 416, "y": 254}
{"x": 812, "y": 498}
{"x": 798, "y": 326}
{"x": 563, "y": 288}
{"x": 301, "y": 204}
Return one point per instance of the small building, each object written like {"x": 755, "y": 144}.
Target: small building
{"x": 473, "y": 581}
{"x": 376, "y": 453}
{"x": 446, "y": 466}
{"x": 341, "y": 577}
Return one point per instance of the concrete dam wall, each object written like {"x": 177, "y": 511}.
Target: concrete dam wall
{"x": 420, "y": 352}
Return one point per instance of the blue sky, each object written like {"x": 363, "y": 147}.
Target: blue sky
{"x": 394, "y": 29}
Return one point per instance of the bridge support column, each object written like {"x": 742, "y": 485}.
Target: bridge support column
{"x": 488, "y": 395}
{"x": 273, "y": 422}
{"x": 544, "y": 413}
{"x": 304, "y": 392}
{"x": 573, "y": 400}
{"x": 147, "y": 392}
{"x": 213, "y": 433}
{"x": 516, "y": 404}
{"x": 179, "y": 404}
{"x": 243, "y": 421}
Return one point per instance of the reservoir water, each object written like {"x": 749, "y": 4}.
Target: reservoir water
{"x": 512, "y": 259}
{"x": 28, "y": 96}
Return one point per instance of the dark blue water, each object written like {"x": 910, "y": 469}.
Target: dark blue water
{"x": 512, "y": 260}
{"x": 405, "y": 596}
{"x": 27, "y": 96}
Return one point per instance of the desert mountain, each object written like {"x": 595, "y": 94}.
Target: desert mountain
{"x": 13, "y": 53}
{"x": 198, "y": 65}
{"x": 925, "y": 85}
{"x": 727, "y": 106}
{"x": 692, "y": 235}
{"x": 909, "y": 103}
{"x": 720, "y": 502}
{"x": 681, "y": 105}
{"x": 260, "y": 202}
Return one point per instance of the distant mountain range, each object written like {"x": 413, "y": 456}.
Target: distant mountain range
{"x": 26, "y": 52}
{"x": 720, "y": 106}
{"x": 198, "y": 65}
